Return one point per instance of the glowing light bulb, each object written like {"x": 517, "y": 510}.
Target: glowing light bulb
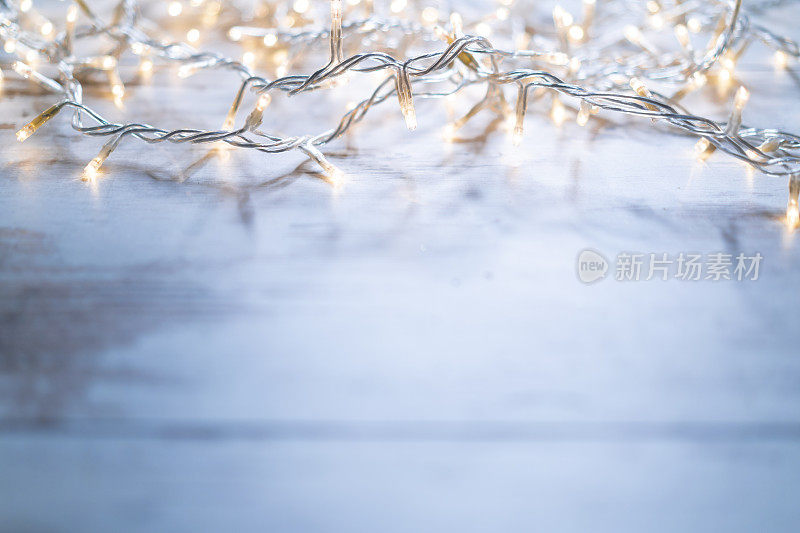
{"x": 46, "y": 28}
{"x": 633, "y": 34}
{"x": 588, "y": 12}
{"x": 792, "y": 215}
{"x": 781, "y": 60}
{"x": 263, "y": 101}
{"x": 193, "y": 35}
{"x": 397, "y": 6}
{"x": 301, "y": 6}
{"x": 483, "y": 29}
{"x": 28, "y": 129}
{"x": 410, "y": 116}
{"x": 519, "y": 112}
{"x": 770, "y": 145}
{"x": 516, "y": 137}
{"x": 91, "y": 170}
{"x": 728, "y": 61}
{"x": 256, "y": 116}
{"x": 584, "y": 113}
{"x": 558, "y": 113}
{"x": 641, "y": 89}
{"x": 9, "y": 46}
{"x": 25, "y": 132}
{"x": 146, "y": 66}
{"x": 682, "y": 34}
{"x": 72, "y": 13}
{"x": 792, "y": 212}
{"x": 703, "y": 149}
{"x": 430, "y": 15}
{"x": 337, "y": 55}
{"x": 108, "y": 62}
{"x": 699, "y": 79}
{"x": 270, "y": 39}
{"x": 576, "y": 33}
{"x": 405, "y": 98}
{"x": 184, "y": 71}
{"x": 457, "y": 24}
{"x": 449, "y": 132}
{"x": 174, "y": 9}
{"x": 561, "y": 17}
{"x": 741, "y": 98}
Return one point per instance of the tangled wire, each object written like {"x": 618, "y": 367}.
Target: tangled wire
{"x": 611, "y": 61}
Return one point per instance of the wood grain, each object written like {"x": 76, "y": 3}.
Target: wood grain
{"x": 205, "y": 344}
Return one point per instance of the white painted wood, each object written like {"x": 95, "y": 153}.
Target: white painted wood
{"x": 252, "y": 350}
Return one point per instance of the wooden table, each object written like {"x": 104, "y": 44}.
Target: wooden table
{"x": 239, "y": 346}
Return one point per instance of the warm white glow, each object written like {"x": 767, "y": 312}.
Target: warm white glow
{"x": 449, "y": 132}
{"x": 300, "y": 6}
{"x": 558, "y": 113}
{"x": 576, "y": 33}
{"x": 483, "y": 29}
{"x": 410, "y": 116}
{"x": 430, "y": 15}
{"x": 770, "y": 145}
{"x": 694, "y": 25}
{"x": 263, "y": 101}
{"x": 741, "y": 98}
{"x": 781, "y": 60}
{"x": 792, "y": 215}
{"x": 703, "y": 149}
{"x": 91, "y": 170}
{"x": 25, "y": 132}
{"x": 108, "y": 62}
{"x": 174, "y": 9}
{"x": 562, "y": 17}
{"x": 682, "y": 34}
{"x": 397, "y": 6}
{"x": 72, "y": 13}
{"x": 145, "y": 66}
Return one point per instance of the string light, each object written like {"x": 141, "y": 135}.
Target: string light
{"x": 589, "y": 63}
{"x": 31, "y": 127}
{"x": 792, "y": 212}
{"x": 91, "y": 170}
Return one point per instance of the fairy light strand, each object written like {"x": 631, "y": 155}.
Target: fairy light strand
{"x": 586, "y": 66}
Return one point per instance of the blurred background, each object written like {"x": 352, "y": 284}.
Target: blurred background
{"x": 237, "y": 345}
